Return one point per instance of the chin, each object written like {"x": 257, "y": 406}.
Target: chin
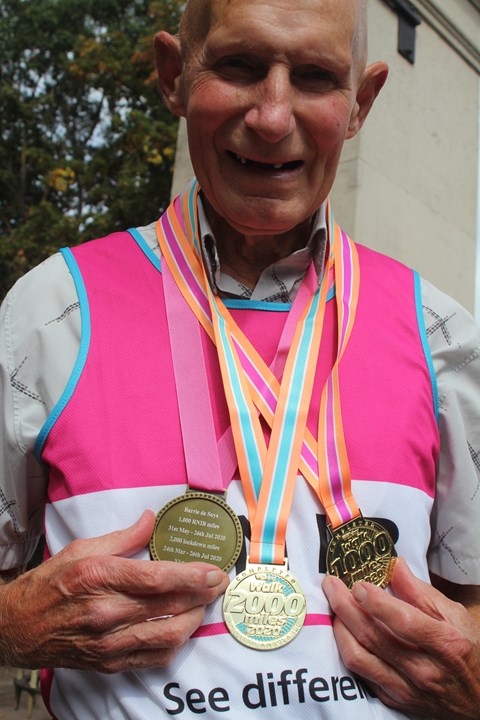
{"x": 261, "y": 220}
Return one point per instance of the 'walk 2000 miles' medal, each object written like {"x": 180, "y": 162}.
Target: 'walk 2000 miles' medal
{"x": 197, "y": 526}
{"x": 264, "y": 607}
{"x": 361, "y": 550}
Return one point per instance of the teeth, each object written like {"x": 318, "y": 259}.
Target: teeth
{"x": 276, "y": 166}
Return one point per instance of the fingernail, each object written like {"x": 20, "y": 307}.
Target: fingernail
{"x": 327, "y": 587}
{"x": 214, "y": 578}
{"x": 359, "y": 592}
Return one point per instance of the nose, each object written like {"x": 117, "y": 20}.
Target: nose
{"x": 271, "y": 114}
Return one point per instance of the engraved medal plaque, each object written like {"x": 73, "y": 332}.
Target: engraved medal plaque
{"x": 197, "y": 526}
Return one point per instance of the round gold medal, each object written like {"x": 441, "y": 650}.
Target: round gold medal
{"x": 264, "y": 607}
{"x": 361, "y": 550}
{"x": 197, "y": 526}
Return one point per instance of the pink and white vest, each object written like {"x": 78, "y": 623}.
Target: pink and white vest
{"x": 114, "y": 447}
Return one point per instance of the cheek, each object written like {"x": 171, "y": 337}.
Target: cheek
{"x": 212, "y": 103}
{"x": 329, "y": 125}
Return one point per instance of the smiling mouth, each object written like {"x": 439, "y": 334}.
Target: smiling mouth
{"x": 292, "y": 165}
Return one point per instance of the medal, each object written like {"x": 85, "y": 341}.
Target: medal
{"x": 197, "y": 526}
{"x": 361, "y": 550}
{"x": 264, "y": 607}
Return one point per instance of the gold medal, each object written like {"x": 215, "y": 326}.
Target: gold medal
{"x": 361, "y": 550}
{"x": 197, "y": 526}
{"x": 264, "y": 607}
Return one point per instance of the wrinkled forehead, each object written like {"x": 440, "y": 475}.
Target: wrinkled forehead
{"x": 201, "y": 16}
{"x": 219, "y": 7}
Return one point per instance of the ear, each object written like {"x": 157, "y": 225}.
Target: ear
{"x": 371, "y": 82}
{"x": 169, "y": 71}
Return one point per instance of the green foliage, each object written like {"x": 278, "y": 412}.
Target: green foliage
{"x": 86, "y": 145}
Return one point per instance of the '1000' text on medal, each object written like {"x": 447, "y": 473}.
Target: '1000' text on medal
{"x": 361, "y": 550}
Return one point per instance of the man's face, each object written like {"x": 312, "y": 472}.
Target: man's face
{"x": 269, "y": 100}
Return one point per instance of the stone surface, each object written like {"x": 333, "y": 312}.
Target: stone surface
{"x": 7, "y": 701}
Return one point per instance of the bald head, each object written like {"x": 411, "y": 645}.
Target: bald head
{"x": 360, "y": 39}
{"x": 197, "y": 18}
{"x": 194, "y": 25}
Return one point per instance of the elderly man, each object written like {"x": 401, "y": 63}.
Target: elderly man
{"x": 267, "y": 388}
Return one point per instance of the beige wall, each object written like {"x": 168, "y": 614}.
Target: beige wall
{"x": 407, "y": 185}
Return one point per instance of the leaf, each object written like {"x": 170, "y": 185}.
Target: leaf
{"x": 86, "y": 145}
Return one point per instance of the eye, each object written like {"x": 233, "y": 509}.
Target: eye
{"x": 314, "y": 79}
{"x": 238, "y": 68}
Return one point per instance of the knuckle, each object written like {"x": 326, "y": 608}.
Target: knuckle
{"x": 94, "y": 615}
{"x": 100, "y": 651}
{"x": 178, "y": 604}
{"x": 456, "y": 646}
{"x": 174, "y": 636}
{"x": 93, "y": 649}
{"x": 103, "y": 646}
{"x": 177, "y": 631}
{"x": 365, "y": 635}
{"x": 460, "y": 648}
{"x": 408, "y": 619}
{"x": 152, "y": 581}
{"x": 432, "y": 681}
{"x": 110, "y": 667}
{"x": 88, "y": 575}
{"x": 167, "y": 657}
{"x": 353, "y": 658}
{"x": 75, "y": 549}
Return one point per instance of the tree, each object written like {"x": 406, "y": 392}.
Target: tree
{"x": 87, "y": 147}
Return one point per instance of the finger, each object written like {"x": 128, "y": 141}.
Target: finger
{"x": 145, "y": 644}
{"x": 422, "y": 689}
{"x": 123, "y": 604}
{"x": 377, "y": 672}
{"x": 144, "y": 577}
{"x": 369, "y": 632}
{"x": 140, "y": 645}
{"x": 412, "y": 625}
{"x": 420, "y": 594}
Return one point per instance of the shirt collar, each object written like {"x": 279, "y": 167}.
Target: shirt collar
{"x": 278, "y": 282}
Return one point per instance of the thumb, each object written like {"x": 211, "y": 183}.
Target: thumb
{"x": 123, "y": 543}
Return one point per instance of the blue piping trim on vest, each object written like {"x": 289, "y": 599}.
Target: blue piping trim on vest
{"x": 81, "y": 357}
{"x": 424, "y": 339}
{"x": 240, "y": 304}
{"x": 144, "y": 246}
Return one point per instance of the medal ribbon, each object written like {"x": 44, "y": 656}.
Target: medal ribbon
{"x": 202, "y": 457}
{"x": 335, "y": 485}
{"x": 268, "y": 475}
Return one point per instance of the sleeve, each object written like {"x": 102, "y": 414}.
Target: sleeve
{"x": 39, "y": 338}
{"x": 454, "y": 342}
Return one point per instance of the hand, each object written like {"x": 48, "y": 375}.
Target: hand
{"x": 91, "y": 606}
{"x": 417, "y": 650}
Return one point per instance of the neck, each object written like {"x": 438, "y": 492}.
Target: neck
{"x": 245, "y": 257}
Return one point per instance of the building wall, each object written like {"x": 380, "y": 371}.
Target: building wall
{"x": 407, "y": 184}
